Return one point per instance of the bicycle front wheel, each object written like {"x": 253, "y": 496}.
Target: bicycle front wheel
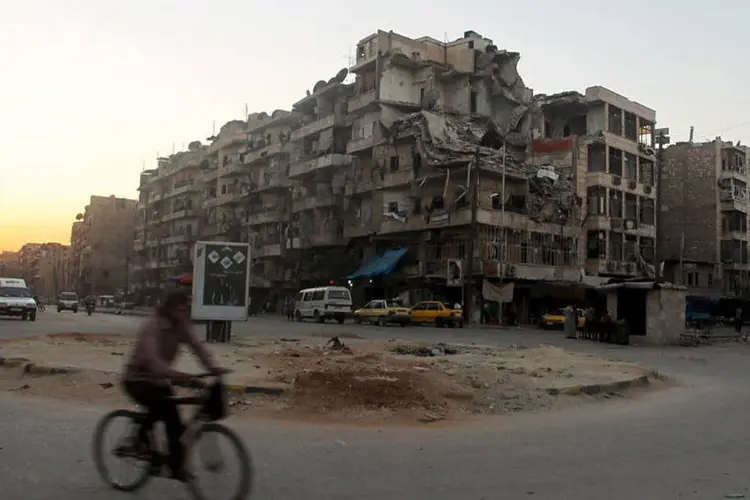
{"x": 209, "y": 461}
{"x": 104, "y": 452}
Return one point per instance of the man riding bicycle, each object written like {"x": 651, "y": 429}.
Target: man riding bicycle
{"x": 148, "y": 372}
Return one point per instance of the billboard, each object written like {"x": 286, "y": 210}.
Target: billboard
{"x": 221, "y": 281}
{"x": 455, "y": 275}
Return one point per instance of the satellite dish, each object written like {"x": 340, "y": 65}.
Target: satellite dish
{"x": 341, "y": 75}
{"x": 319, "y": 86}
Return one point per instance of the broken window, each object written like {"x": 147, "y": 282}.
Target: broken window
{"x": 615, "y": 120}
{"x": 646, "y": 171}
{"x": 631, "y": 167}
{"x": 596, "y": 245}
{"x": 597, "y": 200}
{"x": 394, "y": 163}
{"x": 631, "y": 126}
{"x": 615, "y": 204}
{"x": 615, "y": 161}
{"x": 631, "y": 247}
{"x": 360, "y": 52}
{"x": 597, "y": 158}
{"x": 631, "y": 207}
{"x": 646, "y": 132}
{"x": 615, "y": 246}
{"x": 472, "y": 102}
{"x": 647, "y": 211}
{"x": 646, "y": 247}
{"x": 393, "y": 207}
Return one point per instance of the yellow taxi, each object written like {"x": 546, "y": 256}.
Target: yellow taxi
{"x": 438, "y": 313}
{"x": 382, "y": 312}
{"x": 556, "y": 318}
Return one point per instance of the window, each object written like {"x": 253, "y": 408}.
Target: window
{"x": 318, "y": 295}
{"x": 433, "y": 306}
{"x": 631, "y": 126}
{"x": 394, "y": 163}
{"x": 615, "y": 204}
{"x": 472, "y": 102}
{"x": 596, "y": 245}
{"x": 393, "y": 206}
{"x": 597, "y": 200}
{"x": 631, "y": 167}
{"x": 710, "y": 279}
{"x": 646, "y": 171}
{"x": 471, "y": 44}
{"x": 615, "y": 246}
{"x": 597, "y": 158}
{"x": 340, "y": 295}
{"x": 615, "y": 161}
{"x": 615, "y": 120}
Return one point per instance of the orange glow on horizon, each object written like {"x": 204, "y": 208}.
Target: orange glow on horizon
{"x": 12, "y": 238}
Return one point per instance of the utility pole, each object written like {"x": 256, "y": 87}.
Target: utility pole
{"x": 661, "y": 136}
{"x": 473, "y": 188}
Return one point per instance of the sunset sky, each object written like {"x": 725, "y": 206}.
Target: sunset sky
{"x": 89, "y": 91}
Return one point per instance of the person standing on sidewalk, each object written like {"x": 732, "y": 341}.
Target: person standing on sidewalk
{"x": 738, "y": 320}
{"x": 571, "y": 321}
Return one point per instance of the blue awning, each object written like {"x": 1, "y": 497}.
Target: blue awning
{"x": 380, "y": 265}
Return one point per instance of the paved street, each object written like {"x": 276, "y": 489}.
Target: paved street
{"x": 685, "y": 442}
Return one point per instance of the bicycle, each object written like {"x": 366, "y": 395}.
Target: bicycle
{"x": 212, "y": 406}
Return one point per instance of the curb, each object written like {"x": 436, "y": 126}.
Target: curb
{"x": 593, "y": 389}
{"x": 37, "y": 369}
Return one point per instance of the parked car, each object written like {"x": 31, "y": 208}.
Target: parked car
{"x": 382, "y": 312}
{"x": 438, "y": 313}
{"x": 67, "y": 301}
{"x": 320, "y": 304}
{"x": 556, "y": 318}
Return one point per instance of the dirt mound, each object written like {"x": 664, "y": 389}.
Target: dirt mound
{"x": 370, "y": 389}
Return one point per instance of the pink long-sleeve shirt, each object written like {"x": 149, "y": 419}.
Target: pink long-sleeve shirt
{"x": 157, "y": 348}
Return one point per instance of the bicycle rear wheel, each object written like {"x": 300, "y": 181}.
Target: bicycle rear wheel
{"x": 202, "y": 454}
{"x": 102, "y": 452}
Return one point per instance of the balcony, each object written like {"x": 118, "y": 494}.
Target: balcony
{"x": 264, "y": 217}
{"x": 361, "y": 101}
{"x": 155, "y": 198}
{"x": 226, "y": 198}
{"x": 332, "y": 120}
{"x": 320, "y": 163}
{"x": 233, "y": 169}
{"x": 325, "y": 239}
{"x": 266, "y": 152}
{"x": 178, "y": 238}
{"x": 210, "y": 175}
{"x": 275, "y": 181}
{"x": 357, "y": 145}
{"x": 319, "y": 200}
{"x": 734, "y": 235}
{"x": 733, "y": 200}
{"x": 272, "y": 250}
{"x": 179, "y": 214}
{"x": 189, "y": 187}
{"x": 211, "y": 201}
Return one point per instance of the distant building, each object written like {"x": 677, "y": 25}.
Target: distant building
{"x": 101, "y": 246}
{"x": 704, "y": 217}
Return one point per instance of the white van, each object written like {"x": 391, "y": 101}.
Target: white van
{"x": 16, "y": 299}
{"x": 320, "y": 304}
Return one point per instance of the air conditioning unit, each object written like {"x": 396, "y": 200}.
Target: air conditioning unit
{"x": 630, "y": 224}
{"x": 611, "y": 266}
{"x": 647, "y": 189}
{"x": 631, "y": 185}
{"x": 616, "y": 180}
{"x": 510, "y": 270}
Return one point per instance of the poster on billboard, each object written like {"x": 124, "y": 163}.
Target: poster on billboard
{"x": 455, "y": 273}
{"x": 221, "y": 281}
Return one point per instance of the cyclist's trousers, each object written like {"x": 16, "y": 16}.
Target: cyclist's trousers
{"x": 156, "y": 399}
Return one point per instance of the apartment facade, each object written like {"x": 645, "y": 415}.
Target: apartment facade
{"x": 169, "y": 217}
{"x": 705, "y": 210}
{"x": 101, "y": 246}
{"x": 10, "y": 264}
{"x": 562, "y": 183}
{"x": 53, "y": 271}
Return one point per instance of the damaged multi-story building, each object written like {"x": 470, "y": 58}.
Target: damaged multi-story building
{"x": 101, "y": 246}
{"x": 704, "y": 236}
{"x": 168, "y": 218}
{"x": 436, "y": 148}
